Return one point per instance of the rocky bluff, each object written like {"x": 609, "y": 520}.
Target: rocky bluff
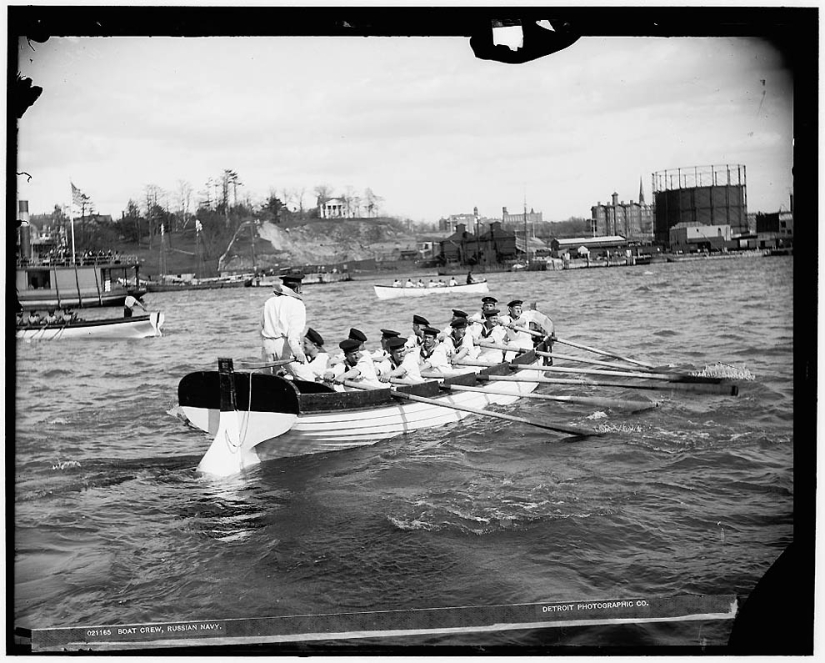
{"x": 318, "y": 241}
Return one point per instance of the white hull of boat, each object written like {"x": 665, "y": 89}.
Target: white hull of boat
{"x": 275, "y": 435}
{"x": 144, "y": 326}
{"x": 390, "y": 292}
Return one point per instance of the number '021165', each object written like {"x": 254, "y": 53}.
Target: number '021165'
{"x": 97, "y": 632}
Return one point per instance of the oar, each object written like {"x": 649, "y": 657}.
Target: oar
{"x": 572, "y": 430}
{"x": 580, "y": 400}
{"x": 642, "y": 375}
{"x": 259, "y": 367}
{"x": 532, "y": 332}
{"x": 541, "y": 353}
{"x": 667, "y": 377}
{"x": 604, "y": 353}
{"x": 585, "y": 347}
{"x": 726, "y": 389}
{"x": 361, "y": 385}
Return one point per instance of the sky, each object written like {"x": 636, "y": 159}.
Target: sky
{"x": 421, "y": 122}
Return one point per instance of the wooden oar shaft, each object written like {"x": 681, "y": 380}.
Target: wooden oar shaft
{"x": 641, "y": 375}
{"x": 527, "y": 331}
{"x": 580, "y": 400}
{"x": 723, "y": 388}
{"x": 581, "y": 360}
{"x": 502, "y": 346}
{"x": 496, "y": 415}
{"x": 596, "y": 371}
{"x": 361, "y": 385}
{"x": 603, "y": 352}
{"x": 556, "y": 355}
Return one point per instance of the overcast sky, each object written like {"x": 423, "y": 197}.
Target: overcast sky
{"x": 421, "y": 121}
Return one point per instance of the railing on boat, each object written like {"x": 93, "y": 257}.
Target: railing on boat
{"x": 122, "y": 260}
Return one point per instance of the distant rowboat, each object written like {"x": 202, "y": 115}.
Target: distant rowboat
{"x": 309, "y": 279}
{"x": 392, "y": 292}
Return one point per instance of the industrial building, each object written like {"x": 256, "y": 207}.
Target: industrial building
{"x": 494, "y": 246}
{"x": 694, "y": 237}
{"x": 775, "y": 231}
{"x": 530, "y": 218}
{"x": 592, "y": 246}
{"x": 632, "y": 220}
{"x": 700, "y": 195}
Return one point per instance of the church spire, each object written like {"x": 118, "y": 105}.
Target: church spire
{"x": 641, "y": 192}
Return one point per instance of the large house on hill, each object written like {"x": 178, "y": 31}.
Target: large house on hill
{"x": 336, "y": 208}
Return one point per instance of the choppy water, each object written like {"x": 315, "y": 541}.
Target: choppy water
{"x": 113, "y": 525}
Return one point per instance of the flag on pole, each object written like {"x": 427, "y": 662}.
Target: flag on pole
{"x": 77, "y": 195}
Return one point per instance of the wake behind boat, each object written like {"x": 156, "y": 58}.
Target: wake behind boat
{"x": 395, "y": 292}
{"x": 142, "y": 326}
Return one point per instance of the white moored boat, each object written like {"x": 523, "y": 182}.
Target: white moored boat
{"x": 142, "y": 326}
{"x": 392, "y": 292}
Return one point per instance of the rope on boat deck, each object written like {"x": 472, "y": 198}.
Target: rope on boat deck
{"x": 248, "y": 414}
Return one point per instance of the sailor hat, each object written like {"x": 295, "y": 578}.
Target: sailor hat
{"x": 419, "y": 320}
{"x": 492, "y": 311}
{"x": 357, "y": 335}
{"x": 430, "y": 331}
{"x": 285, "y": 290}
{"x": 458, "y": 322}
{"x": 292, "y": 277}
{"x": 314, "y": 336}
{"x": 515, "y": 302}
{"x": 489, "y": 300}
{"x": 389, "y": 333}
{"x": 457, "y": 313}
{"x": 395, "y": 343}
{"x": 349, "y": 345}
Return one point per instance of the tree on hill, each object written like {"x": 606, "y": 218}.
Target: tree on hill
{"x": 323, "y": 192}
{"x": 272, "y": 209}
{"x": 129, "y": 225}
{"x": 371, "y": 201}
{"x": 184, "y": 200}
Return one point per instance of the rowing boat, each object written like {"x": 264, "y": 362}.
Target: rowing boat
{"x": 255, "y": 416}
{"x": 393, "y": 292}
{"x": 142, "y": 326}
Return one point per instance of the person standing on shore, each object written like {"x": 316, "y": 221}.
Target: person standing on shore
{"x": 282, "y": 322}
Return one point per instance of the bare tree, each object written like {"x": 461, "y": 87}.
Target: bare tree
{"x": 234, "y": 181}
{"x": 184, "y": 195}
{"x": 287, "y": 196}
{"x": 349, "y": 195}
{"x": 323, "y": 193}
{"x": 207, "y": 193}
{"x": 151, "y": 195}
{"x": 372, "y": 202}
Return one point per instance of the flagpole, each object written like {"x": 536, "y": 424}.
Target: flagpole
{"x": 73, "y": 252}
{"x": 71, "y": 219}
